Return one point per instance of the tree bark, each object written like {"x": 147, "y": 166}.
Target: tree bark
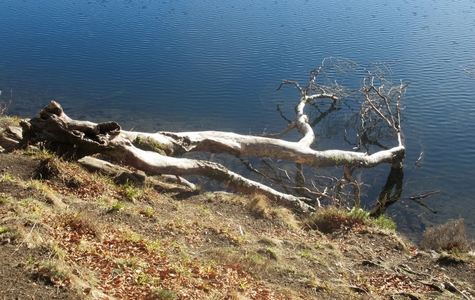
{"x": 156, "y": 153}
{"x": 54, "y": 125}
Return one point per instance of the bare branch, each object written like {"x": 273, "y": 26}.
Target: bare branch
{"x": 348, "y": 173}
{"x": 284, "y": 82}
{"x": 287, "y": 129}
{"x": 377, "y": 110}
{"x": 4, "y": 106}
{"x": 376, "y": 117}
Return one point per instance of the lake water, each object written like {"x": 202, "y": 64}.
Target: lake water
{"x": 190, "y": 65}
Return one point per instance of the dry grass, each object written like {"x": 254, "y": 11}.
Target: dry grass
{"x": 447, "y": 237}
{"x": 5, "y": 105}
{"x": 260, "y": 206}
{"x": 331, "y": 219}
{"x": 263, "y": 207}
{"x": 127, "y": 242}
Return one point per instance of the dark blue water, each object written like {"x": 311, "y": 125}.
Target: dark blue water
{"x": 192, "y": 65}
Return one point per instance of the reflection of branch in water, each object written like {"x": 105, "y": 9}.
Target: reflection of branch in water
{"x": 385, "y": 199}
{"x": 282, "y": 114}
{"x": 425, "y": 206}
{"x": 324, "y": 114}
{"x": 365, "y": 141}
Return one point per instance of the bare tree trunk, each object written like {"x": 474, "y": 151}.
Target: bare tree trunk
{"x": 155, "y": 153}
{"x": 106, "y": 138}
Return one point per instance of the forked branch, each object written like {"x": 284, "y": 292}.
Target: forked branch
{"x": 160, "y": 153}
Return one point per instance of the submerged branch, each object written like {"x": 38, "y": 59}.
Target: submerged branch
{"x": 424, "y": 195}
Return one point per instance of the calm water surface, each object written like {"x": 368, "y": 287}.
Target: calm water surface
{"x": 189, "y": 65}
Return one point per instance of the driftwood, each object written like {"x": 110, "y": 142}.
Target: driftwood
{"x": 54, "y": 125}
{"x": 120, "y": 174}
{"x": 161, "y": 152}
{"x": 123, "y": 175}
{"x": 108, "y": 138}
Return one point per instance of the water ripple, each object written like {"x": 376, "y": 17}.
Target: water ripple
{"x": 215, "y": 65}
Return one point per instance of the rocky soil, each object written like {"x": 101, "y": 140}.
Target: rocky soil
{"x": 66, "y": 233}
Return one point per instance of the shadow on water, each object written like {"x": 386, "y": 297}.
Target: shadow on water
{"x": 390, "y": 193}
{"x": 409, "y": 223}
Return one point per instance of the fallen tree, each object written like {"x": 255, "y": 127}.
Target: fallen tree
{"x": 162, "y": 152}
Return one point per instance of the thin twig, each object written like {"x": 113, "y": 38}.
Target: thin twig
{"x": 424, "y": 195}
{"x": 26, "y": 237}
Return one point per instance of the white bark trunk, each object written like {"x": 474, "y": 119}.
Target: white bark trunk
{"x": 246, "y": 145}
{"x": 152, "y": 152}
